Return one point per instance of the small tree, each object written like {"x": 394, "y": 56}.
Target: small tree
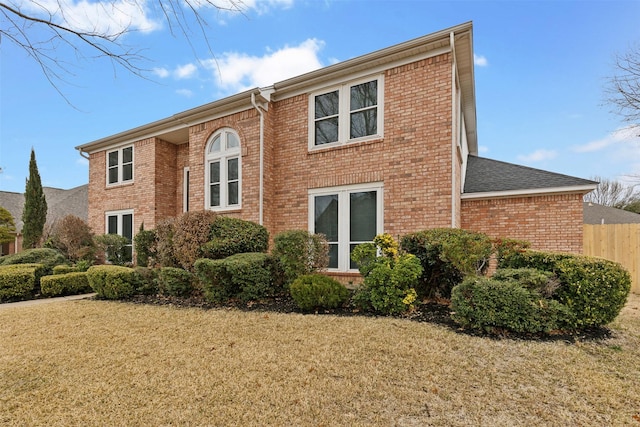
{"x": 7, "y": 226}
{"x": 34, "y": 214}
{"x": 73, "y": 237}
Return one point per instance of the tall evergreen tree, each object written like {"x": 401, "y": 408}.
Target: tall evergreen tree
{"x": 34, "y": 214}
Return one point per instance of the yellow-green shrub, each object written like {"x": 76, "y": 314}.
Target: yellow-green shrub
{"x": 317, "y": 291}
{"x": 112, "y": 281}
{"x": 20, "y": 281}
{"x": 64, "y": 284}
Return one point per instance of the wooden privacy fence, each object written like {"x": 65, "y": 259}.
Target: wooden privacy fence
{"x": 616, "y": 242}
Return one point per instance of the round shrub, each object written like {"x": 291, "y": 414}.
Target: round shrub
{"x": 112, "y": 281}
{"x": 146, "y": 280}
{"x": 48, "y": 257}
{"x": 494, "y": 306}
{"x": 299, "y": 252}
{"x": 191, "y": 231}
{"x": 544, "y": 282}
{"x": 20, "y": 281}
{"x": 175, "y": 282}
{"x": 65, "y": 284}
{"x": 230, "y": 236}
{"x": 317, "y": 291}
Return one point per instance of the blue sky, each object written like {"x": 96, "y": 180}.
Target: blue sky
{"x": 540, "y": 71}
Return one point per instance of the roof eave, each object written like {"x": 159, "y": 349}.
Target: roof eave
{"x": 580, "y": 189}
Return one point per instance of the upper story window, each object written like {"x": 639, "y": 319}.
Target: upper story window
{"x": 223, "y": 171}
{"x": 120, "y": 165}
{"x": 347, "y": 113}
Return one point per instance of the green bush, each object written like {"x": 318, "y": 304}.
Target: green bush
{"x": 299, "y": 252}
{"x": 544, "y": 282}
{"x": 73, "y": 283}
{"x": 191, "y": 231}
{"x": 144, "y": 245}
{"x": 112, "y": 281}
{"x": 505, "y": 248}
{"x": 446, "y": 256}
{"x": 230, "y": 236}
{"x": 317, "y": 291}
{"x": 146, "y": 280}
{"x": 20, "y": 281}
{"x": 48, "y": 257}
{"x": 494, "y": 306}
{"x": 64, "y": 269}
{"x": 115, "y": 247}
{"x": 390, "y": 277}
{"x": 593, "y": 289}
{"x": 175, "y": 282}
{"x": 246, "y": 276}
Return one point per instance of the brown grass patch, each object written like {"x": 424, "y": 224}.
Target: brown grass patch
{"x": 106, "y": 363}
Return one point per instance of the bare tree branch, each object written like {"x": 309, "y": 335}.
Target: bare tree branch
{"x": 623, "y": 88}
{"x": 612, "y": 193}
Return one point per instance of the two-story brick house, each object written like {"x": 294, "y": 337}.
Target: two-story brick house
{"x": 385, "y": 142}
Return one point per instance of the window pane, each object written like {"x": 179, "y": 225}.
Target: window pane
{"x": 127, "y": 172}
{"x": 215, "y": 195}
{"x": 215, "y": 145}
{"x": 112, "y": 224}
{"x": 113, "y": 158}
{"x": 232, "y": 140}
{"x": 232, "y": 169}
{"x": 214, "y": 172}
{"x": 333, "y": 255}
{"x": 364, "y": 123}
{"x": 364, "y": 95}
{"x": 326, "y": 131}
{"x": 233, "y": 193}
{"x": 327, "y": 105}
{"x": 127, "y": 155}
{"x": 362, "y": 216}
{"x": 127, "y": 226}
{"x": 113, "y": 175}
{"x": 326, "y": 217}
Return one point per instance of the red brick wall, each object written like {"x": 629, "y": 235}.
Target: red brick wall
{"x": 551, "y": 223}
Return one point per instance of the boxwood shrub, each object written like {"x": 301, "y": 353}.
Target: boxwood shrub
{"x": 495, "y": 306}
{"x": 146, "y": 280}
{"x": 230, "y": 236}
{"x": 317, "y": 291}
{"x": 48, "y": 257}
{"x": 299, "y": 252}
{"x": 64, "y": 269}
{"x": 112, "y": 281}
{"x": 73, "y": 283}
{"x": 246, "y": 276}
{"x": 20, "y": 281}
{"x": 175, "y": 282}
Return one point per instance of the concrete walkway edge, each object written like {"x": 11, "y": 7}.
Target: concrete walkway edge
{"x": 44, "y": 301}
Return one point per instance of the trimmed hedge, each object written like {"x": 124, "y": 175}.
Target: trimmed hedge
{"x": 493, "y": 306}
{"x": 246, "y": 276}
{"x": 20, "y": 281}
{"x": 112, "y": 281}
{"x": 73, "y": 283}
{"x": 175, "y": 282}
{"x": 230, "y": 236}
{"x": 447, "y": 255}
{"x": 64, "y": 269}
{"x": 49, "y": 258}
{"x": 593, "y": 289}
{"x": 317, "y": 291}
{"x": 299, "y": 253}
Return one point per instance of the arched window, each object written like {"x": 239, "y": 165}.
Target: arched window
{"x": 223, "y": 171}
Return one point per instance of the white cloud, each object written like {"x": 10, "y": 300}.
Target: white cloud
{"x": 480, "y": 60}
{"x": 161, "y": 72}
{"x": 185, "y": 71}
{"x": 238, "y": 71}
{"x": 623, "y": 135}
{"x": 538, "y": 156}
{"x": 185, "y": 92}
{"x": 483, "y": 149}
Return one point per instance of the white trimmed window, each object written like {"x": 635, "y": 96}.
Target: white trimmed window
{"x": 121, "y": 223}
{"x": 120, "y": 165}
{"x": 346, "y": 113}
{"x": 223, "y": 171}
{"x": 347, "y": 216}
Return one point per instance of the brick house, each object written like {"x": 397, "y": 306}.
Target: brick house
{"x": 385, "y": 142}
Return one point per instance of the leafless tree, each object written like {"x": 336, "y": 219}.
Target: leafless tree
{"x": 612, "y": 193}
{"x": 45, "y": 28}
{"x": 623, "y": 88}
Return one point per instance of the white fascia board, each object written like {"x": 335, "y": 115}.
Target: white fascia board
{"x": 528, "y": 192}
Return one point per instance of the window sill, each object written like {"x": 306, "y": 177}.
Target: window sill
{"x": 119, "y": 185}
{"x": 345, "y": 145}
{"x": 235, "y": 209}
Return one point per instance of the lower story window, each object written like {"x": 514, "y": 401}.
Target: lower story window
{"x": 121, "y": 222}
{"x": 347, "y": 216}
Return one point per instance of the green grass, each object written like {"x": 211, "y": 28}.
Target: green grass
{"x": 96, "y": 363}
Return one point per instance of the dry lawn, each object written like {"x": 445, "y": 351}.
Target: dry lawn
{"x": 93, "y": 363}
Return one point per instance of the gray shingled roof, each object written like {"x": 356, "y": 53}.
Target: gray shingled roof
{"x": 60, "y": 203}
{"x": 487, "y": 175}
{"x": 594, "y": 213}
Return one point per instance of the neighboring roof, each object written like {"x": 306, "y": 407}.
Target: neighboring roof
{"x": 486, "y": 177}
{"x": 60, "y": 203}
{"x": 457, "y": 39}
{"x": 594, "y": 213}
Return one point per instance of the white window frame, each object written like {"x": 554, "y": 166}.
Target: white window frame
{"x": 120, "y": 165}
{"x": 119, "y": 215}
{"x": 343, "y": 193}
{"x": 344, "y": 113}
{"x": 185, "y": 189}
{"x": 223, "y": 157}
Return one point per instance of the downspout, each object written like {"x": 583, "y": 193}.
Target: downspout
{"x": 82, "y": 154}
{"x": 261, "y": 192}
{"x": 454, "y": 183}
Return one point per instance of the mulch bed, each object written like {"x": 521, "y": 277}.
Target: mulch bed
{"x": 433, "y": 311}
